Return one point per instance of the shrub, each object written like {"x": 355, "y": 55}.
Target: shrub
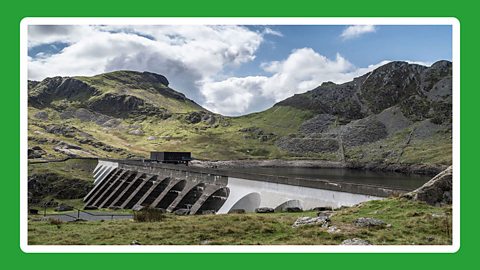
{"x": 149, "y": 215}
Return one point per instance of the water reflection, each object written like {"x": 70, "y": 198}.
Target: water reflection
{"x": 386, "y": 179}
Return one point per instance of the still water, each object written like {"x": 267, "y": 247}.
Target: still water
{"x": 384, "y": 179}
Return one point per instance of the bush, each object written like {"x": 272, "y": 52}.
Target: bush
{"x": 149, "y": 215}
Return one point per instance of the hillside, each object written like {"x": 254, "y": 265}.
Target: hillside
{"x": 399, "y": 113}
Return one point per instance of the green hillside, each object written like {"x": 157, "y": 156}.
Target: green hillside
{"x": 397, "y": 114}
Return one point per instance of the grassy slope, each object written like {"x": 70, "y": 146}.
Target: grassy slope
{"x": 106, "y": 83}
{"x": 222, "y": 141}
{"x": 78, "y": 168}
{"x": 205, "y": 142}
{"x": 412, "y": 223}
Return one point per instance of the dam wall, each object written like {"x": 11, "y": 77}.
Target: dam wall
{"x": 135, "y": 184}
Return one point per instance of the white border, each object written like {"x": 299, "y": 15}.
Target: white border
{"x": 241, "y": 21}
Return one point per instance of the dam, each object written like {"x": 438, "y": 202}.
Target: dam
{"x": 135, "y": 184}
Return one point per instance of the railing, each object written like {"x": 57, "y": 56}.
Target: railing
{"x": 78, "y": 211}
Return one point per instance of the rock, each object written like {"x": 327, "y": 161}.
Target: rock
{"x": 63, "y": 208}
{"x": 437, "y": 191}
{"x": 302, "y": 221}
{"x": 41, "y": 115}
{"x": 208, "y": 212}
{"x": 135, "y": 243}
{"x": 333, "y": 229}
{"x": 237, "y": 211}
{"x": 193, "y": 118}
{"x": 362, "y": 131}
{"x": 151, "y": 138}
{"x": 36, "y": 152}
{"x": 65, "y": 145}
{"x": 257, "y": 134}
{"x": 369, "y": 222}
{"x": 355, "y": 241}
{"x": 264, "y": 210}
{"x": 63, "y": 130}
{"x": 317, "y": 124}
{"x": 111, "y": 123}
{"x": 137, "y": 132}
{"x": 324, "y": 214}
{"x": 182, "y": 212}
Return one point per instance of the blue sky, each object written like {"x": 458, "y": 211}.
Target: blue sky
{"x": 234, "y": 70}
{"x": 420, "y": 43}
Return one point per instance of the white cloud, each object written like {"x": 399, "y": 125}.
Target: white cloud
{"x": 303, "y": 70}
{"x": 186, "y": 55}
{"x": 355, "y": 31}
{"x": 195, "y": 59}
{"x": 270, "y": 31}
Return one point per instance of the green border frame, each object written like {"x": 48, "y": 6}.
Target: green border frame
{"x": 13, "y": 12}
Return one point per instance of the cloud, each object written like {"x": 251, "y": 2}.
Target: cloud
{"x": 303, "y": 70}
{"x": 270, "y": 31}
{"x": 186, "y": 55}
{"x": 355, "y": 31}
{"x": 195, "y": 59}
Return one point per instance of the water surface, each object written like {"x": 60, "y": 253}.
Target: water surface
{"x": 378, "y": 178}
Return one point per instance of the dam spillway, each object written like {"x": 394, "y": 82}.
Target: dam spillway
{"x": 134, "y": 184}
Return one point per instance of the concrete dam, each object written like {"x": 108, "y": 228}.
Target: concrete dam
{"x": 134, "y": 184}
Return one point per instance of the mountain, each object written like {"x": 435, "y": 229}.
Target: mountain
{"x": 399, "y": 113}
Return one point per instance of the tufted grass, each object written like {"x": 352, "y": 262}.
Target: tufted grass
{"x": 412, "y": 223}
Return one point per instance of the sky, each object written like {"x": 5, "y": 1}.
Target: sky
{"x": 234, "y": 70}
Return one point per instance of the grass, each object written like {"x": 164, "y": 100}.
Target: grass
{"x": 412, "y": 223}
{"x": 79, "y": 168}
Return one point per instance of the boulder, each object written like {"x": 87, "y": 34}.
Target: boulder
{"x": 264, "y": 210}
{"x": 369, "y": 222}
{"x": 36, "y": 152}
{"x": 437, "y": 191}
{"x": 41, "y": 115}
{"x": 302, "y": 221}
{"x": 208, "y": 212}
{"x": 137, "y": 132}
{"x": 355, "y": 241}
{"x": 193, "y": 118}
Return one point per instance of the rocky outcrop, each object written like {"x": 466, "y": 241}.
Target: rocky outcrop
{"x": 437, "y": 191}
{"x": 60, "y": 88}
{"x": 256, "y": 133}
{"x": 36, "y": 152}
{"x": 123, "y": 106}
{"x": 201, "y": 116}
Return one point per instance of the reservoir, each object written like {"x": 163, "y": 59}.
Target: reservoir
{"x": 392, "y": 180}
